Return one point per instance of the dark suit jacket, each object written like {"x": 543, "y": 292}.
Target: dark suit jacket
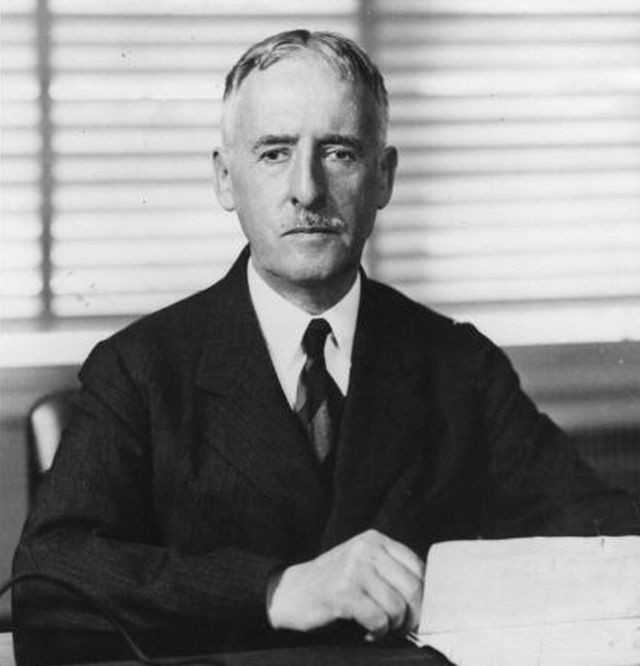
{"x": 185, "y": 480}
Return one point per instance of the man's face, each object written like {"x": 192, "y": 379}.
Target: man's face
{"x": 304, "y": 169}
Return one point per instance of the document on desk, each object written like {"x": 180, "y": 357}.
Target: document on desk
{"x": 561, "y": 601}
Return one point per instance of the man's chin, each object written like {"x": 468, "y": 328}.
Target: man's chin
{"x": 313, "y": 272}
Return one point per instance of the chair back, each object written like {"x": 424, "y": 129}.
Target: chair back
{"x": 45, "y": 423}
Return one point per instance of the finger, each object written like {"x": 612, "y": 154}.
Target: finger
{"x": 386, "y": 597}
{"x": 396, "y": 573}
{"x": 405, "y": 555}
{"x": 404, "y": 582}
{"x": 370, "y": 615}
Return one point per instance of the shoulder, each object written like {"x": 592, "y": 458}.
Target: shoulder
{"x": 457, "y": 346}
{"x": 410, "y": 320}
{"x": 166, "y": 338}
{"x": 186, "y": 319}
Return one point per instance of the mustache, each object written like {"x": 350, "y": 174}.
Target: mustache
{"x": 307, "y": 220}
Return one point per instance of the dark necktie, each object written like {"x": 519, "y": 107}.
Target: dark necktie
{"x": 318, "y": 400}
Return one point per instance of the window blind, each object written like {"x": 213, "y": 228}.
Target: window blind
{"x": 518, "y": 195}
{"x": 135, "y": 96}
{"x": 20, "y": 173}
{"x": 517, "y": 202}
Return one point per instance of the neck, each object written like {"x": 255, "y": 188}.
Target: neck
{"x": 314, "y": 297}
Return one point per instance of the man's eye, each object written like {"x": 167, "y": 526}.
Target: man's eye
{"x": 275, "y": 155}
{"x": 341, "y": 155}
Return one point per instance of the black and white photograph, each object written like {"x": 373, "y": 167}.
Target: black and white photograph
{"x": 320, "y": 332}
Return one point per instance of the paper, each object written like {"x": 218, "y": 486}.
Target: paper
{"x": 539, "y": 601}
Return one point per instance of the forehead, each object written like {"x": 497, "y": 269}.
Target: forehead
{"x": 297, "y": 95}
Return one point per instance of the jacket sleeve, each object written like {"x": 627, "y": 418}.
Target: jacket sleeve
{"x": 93, "y": 525}
{"x": 538, "y": 484}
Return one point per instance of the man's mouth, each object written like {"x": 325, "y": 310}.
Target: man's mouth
{"x": 311, "y": 230}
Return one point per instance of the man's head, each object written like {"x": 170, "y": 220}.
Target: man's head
{"x": 303, "y": 161}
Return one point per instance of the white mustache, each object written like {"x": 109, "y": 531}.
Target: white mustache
{"x": 312, "y": 220}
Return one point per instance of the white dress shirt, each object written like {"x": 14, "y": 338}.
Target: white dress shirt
{"x": 283, "y": 325}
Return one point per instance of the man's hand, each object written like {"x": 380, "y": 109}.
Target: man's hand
{"x": 371, "y": 579}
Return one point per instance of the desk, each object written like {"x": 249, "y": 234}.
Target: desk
{"x": 321, "y": 656}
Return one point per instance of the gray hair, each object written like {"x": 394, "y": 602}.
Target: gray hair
{"x": 342, "y": 53}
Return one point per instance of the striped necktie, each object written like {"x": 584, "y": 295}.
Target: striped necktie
{"x": 318, "y": 400}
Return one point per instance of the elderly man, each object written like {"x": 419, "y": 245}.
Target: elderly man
{"x": 274, "y": 455}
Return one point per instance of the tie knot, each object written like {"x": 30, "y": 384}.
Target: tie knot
{"x": 314, "y": 338}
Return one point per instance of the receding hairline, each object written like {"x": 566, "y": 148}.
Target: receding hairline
{"x": 340, "y": 51}
{"x": 342, "y": 54}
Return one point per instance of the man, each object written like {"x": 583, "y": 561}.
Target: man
{"x": 268, "y": 461}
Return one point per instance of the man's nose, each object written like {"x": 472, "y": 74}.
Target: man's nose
{"x": 307, "y": 184}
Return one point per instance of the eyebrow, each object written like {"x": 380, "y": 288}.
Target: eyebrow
{"x": 290, "y": 140}
{"x": 274, "y": 140}
{"x": 343, "y": 140}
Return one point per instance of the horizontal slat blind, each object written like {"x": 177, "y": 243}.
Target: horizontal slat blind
{"x": 518, "y": 196}
{"x": 20, "y": 173}
{"x": 135, "y": 103}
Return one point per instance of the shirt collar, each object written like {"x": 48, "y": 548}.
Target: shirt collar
{"x": 283, "y": 324}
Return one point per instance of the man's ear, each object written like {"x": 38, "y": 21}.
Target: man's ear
{"x": 386, "y": 175}
{"x": 222, "y": 180}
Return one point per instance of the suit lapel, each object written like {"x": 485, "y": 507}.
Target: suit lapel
{"x": 248, "y": 420}
{"x": 387, "y": 413}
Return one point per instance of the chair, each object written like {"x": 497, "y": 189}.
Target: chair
{"x": 45, "y": 423}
